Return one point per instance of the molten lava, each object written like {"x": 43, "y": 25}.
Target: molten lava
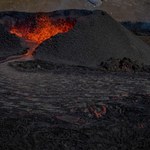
{"x": 41, "y": 29}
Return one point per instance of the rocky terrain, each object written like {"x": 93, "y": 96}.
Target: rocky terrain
{"x": 81, "y": 109}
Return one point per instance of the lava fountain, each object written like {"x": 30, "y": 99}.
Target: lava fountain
{"x": 34, "y": 32}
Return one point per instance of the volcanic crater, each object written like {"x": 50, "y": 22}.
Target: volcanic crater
{"x": 33, "y": 29}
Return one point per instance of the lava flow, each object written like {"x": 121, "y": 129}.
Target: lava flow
{"x": 35, "y": 32}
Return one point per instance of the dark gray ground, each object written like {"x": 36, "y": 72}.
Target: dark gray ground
{"x": 54, "y": 110}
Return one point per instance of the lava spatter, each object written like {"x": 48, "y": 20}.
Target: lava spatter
{"x": 42, "y": 28}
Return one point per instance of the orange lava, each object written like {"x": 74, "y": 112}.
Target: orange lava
{"x": 96, "y": 113}
{"x": 43, "y": 28}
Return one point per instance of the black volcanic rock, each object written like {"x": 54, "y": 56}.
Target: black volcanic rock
{"x": 9, "y": 44}
{"x": 95, "y": 38}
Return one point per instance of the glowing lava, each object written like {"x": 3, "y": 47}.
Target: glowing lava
{"x": 41, "y": 29}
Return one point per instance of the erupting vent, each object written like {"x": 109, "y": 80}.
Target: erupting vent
{"x": 41, "y": 29}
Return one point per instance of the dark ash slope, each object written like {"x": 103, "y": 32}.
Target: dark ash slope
{"x": 9, "y": 44}
{"x": 95, "y": 38}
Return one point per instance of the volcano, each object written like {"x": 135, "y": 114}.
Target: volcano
{"x": 74, "y": 37}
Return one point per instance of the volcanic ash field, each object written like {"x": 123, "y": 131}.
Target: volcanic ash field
{"x": 72, "y": 79}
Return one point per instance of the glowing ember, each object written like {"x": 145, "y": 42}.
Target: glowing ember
{"x": 43, "y": 28}
{"x": 96, "y": 113}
